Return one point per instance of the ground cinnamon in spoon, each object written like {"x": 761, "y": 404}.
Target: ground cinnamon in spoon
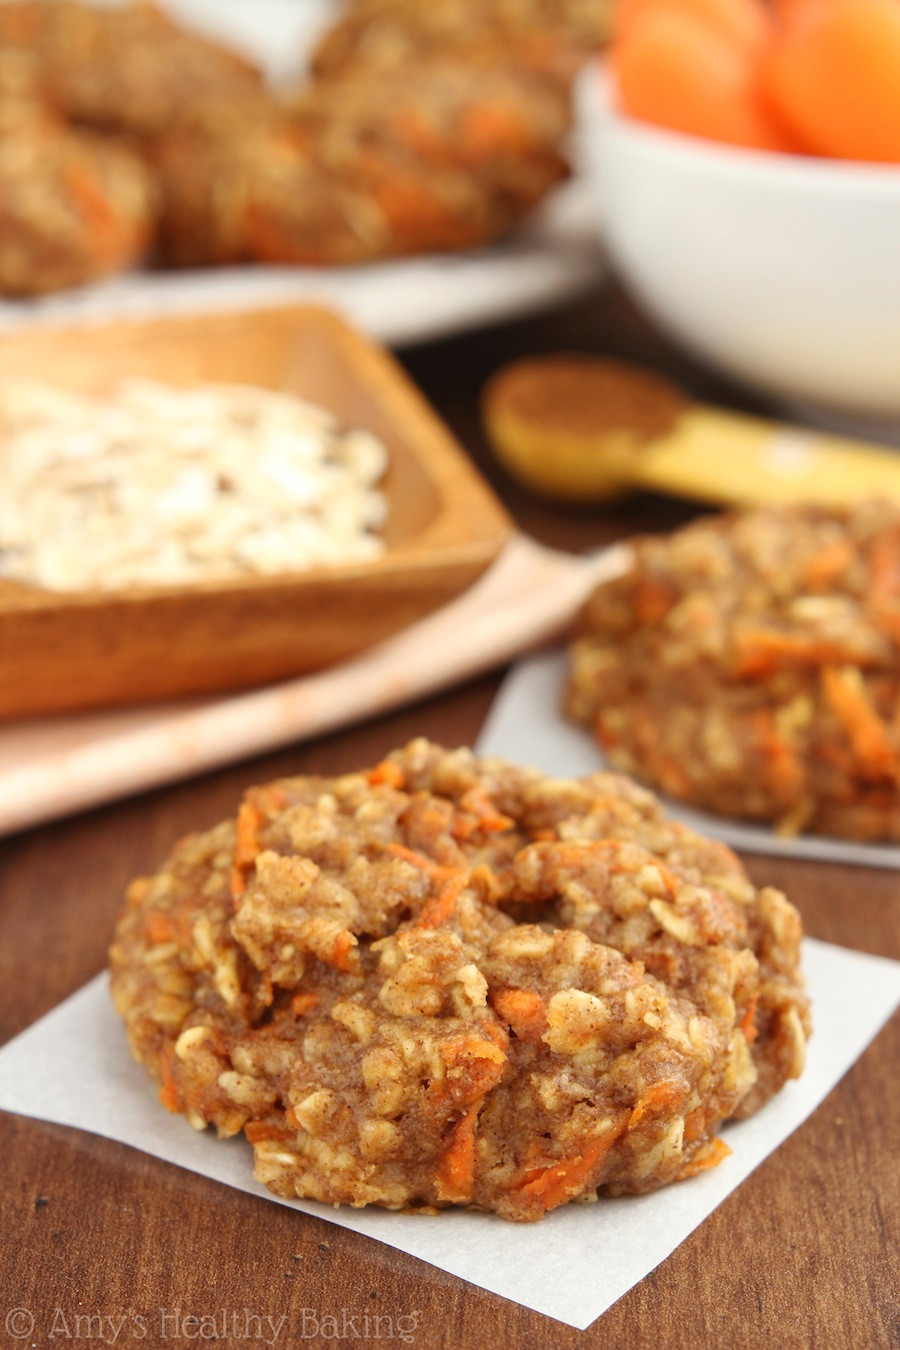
{"x": 569, "y": 425}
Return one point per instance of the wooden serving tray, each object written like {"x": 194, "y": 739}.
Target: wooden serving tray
{"x": 67, "y": 651}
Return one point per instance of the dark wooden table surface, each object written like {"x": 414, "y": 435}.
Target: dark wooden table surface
{"x": 804, "y": 1254}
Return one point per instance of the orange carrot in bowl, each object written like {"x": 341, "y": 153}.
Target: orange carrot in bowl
{"x": 676, "y": 71}
{"x": 744, "y": 23}
{"x": 833, "y": 75}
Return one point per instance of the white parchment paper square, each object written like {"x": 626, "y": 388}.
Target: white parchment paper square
{"x": 73, "y": 1067}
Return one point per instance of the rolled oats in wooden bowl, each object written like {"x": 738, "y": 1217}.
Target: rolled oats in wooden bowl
{"x": 307, "y": 504}
{"x": 152, "y": 484}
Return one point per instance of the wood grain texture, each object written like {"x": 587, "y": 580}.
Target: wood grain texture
{"x": 802, "y": 1255}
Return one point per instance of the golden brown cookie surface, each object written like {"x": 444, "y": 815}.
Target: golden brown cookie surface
{"x": 73, "y": 208}
{"x": 348, "y": 171}
{"x": 751, "y": 663}
{"x": 451, "y": 981}
{"x": 447, "y": 148}
{"x": 123, "y": 68}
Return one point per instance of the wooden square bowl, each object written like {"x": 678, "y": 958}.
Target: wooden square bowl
{"x": 66, "y": 651}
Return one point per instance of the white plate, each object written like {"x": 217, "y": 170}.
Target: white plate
{"x": 412, "y": 300}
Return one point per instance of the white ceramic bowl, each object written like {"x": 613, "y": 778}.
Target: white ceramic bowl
{"x": 781, "y": 271}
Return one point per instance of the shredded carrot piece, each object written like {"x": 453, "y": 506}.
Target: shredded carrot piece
{"x": 606, "y": 738}
{"x": 269, "y": 238}
{"x": 524, "y": 1010}
{"x": 249, "y": 820}
{"x": 705, "y": 1158}
{"x": 412, "y": 126}
{"x": 474, "y": 1065}
{"x": 848, "y": 699}
{"x": 303, "y": 1003}
{"x": 489, "y": 885}
{"x": 387, "y": 772}
{"x": 487, "y": 817}
{"x": 411, "y": 212}
{"x": 570, "y": 852}
{"x": 838, "y": 755}
{"x": 660, "y": 1095}
{"x": 695, "y": 1123}
{"x": 652, "y": 600}
{"x": 419, "y": 860}
{"x": 488, "y": 128}
{"x": 672, "y": 777}
{"x": 159, "y": 927}
{"x": 826, "y": 566}
{"x": 471, "y": 1048}
{"x": 760, "y": 652}
{"x": 884, "y": 563}
{"x": 340, "y": 953}
{"x": 258, "y": 1130}
{"x": 496, "y": 1034}
{"x": 748, "y": 1022}
{"x": 575, "y": 852}
{"x": 559, "y": 1183}
{"x": 429, "y": 818}
{"x": 271, "y": 797}
{"x": 168, "y": 1092}
{"x": 96, "y": 209}
{"x": 888, "y": 620}
{"x": 783, "y": 769}
{"x": 455, "y": 1177}
{"x": 438, "y": 909}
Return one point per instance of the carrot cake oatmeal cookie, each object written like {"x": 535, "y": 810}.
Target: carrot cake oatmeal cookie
{"x": 407, "y": 135}
{"x": 355, "y": 169}
{"x": 73, "y": 207}
{"x": 452, "y": 981}
{"x": 127, "y": 68}
{"x": 750, "y": 664}
{"x": 552, "y": 38}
